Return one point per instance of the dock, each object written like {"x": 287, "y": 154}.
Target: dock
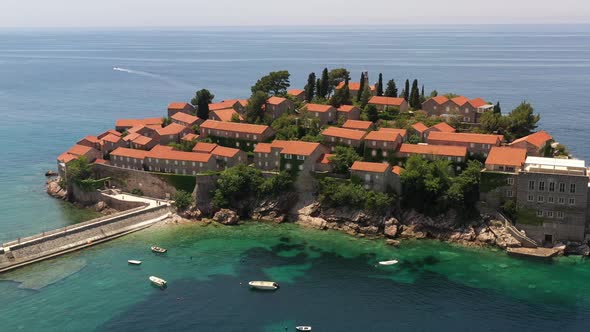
{"x": 539, "y": 252}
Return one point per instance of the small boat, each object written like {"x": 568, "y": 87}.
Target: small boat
{"x": 392, "y": 262}
{"x": 159, "y": 250}
{"x": 303, "y": 328}
{"x": 264, "y": 285}
{"x": 134, "y": 262}
{"x": 158, "y": 281}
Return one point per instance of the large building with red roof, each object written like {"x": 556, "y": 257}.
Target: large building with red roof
{"x": 224, "y": 156}
{"x": 324, "y": 113}
{"x": 383, "y": 103}
{"x": 288, "y": 155}
{"x": 172, "y": 133}
{"x": 534, "y": 143}
{"x": 277, "y": 106}
{"x": 456, "y": 154}
{"x": 475, "y": 143}
{"x": 242, "y": 136}
{"x": 176, "y": 107}
{"x": 123, "y": 124}
{"x": 466, "y": 110}
{"x": 165, "y": 159}
{"x": 500, "y": 175}
{"x": 374, "y": 176}
{"x": 381, "y": 144}
{"x": 348, "y": 112}
{"x": 334, "y": 136}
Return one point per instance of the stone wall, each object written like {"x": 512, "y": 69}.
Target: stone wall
{"x": 93, "y": 197}
{"x": 128, "y": 180}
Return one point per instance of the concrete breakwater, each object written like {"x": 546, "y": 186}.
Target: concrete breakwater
{"x": 25, "y": 251}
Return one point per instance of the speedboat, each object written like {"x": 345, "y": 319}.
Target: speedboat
{"x": 303, "y": 328}
{"x": 392, "y": 262}
{"x": 134, "y": 262}
{"x": 159, "y": 250}
{"x": 158, "y": 281}
{"x": 264, "y": 285}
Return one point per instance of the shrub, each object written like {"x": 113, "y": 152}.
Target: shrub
{"x": 340, "y": 193}
{"x": 182, "y": 199}
{"x": 137, "y": 192}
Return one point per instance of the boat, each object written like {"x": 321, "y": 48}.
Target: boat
{"x": 391, "y": 262}
{"x": 159, "y": 250}
{"x": 303, "y": 328}
{"x": 264, "y": 285}
{"x": 134, "y": 262}
{"x": 158, "y": 281}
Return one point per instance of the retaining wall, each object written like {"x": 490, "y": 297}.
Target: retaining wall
{"x": 130, "y": 179}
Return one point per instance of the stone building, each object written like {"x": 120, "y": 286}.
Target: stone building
{"x": 165, "y": 159}
{"x": 475, "y": 143}
{"x": 242, "y": 136}
{"x": 383, "y": 103}
{"x": 325, "y": 113}
{"x": 348, "y": 112}
{"x": 534, "y": 143}
{"x": 277, "y": 106}
{"x": 499, "y": 177}
{"x": 128, "y": 158}
{"x": 180, "y": 107}
{"x": 334, "y": 136}
{"x": 374, "y": 176}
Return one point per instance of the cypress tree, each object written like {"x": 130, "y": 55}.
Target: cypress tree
{"x": 324, "y": 84}
{"x": 407, "y": 91}
{"x": 346, "y": 100}
{"x": 380, "y": 85}
{"x": 310, "y": 87}
{"x": 497, "y": 108}
{"x": 365, "y": 96}
{"x": 391, "y": 90}
{"x": 318, "y": 88}
{"x": 415, "y": 95}
{"x": 422, "y": 92}
{"x": 372, "y": 113}
{"x": 361, "y": 87}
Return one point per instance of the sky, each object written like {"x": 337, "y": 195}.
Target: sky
{"x": 187, "y": 13}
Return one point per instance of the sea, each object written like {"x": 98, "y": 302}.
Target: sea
{"x": 59, "y": 85}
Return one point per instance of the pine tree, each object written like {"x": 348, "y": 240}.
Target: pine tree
{"x": 365, "y": 96}
{"x": 497, "y": 108}
{"x": 407, "y": 91}
{"x": 318, "y": 89}
{"x": 361, "y": 87}
{"x": 324, "y": 84}
{"x": 345, "y": 99}
{"x": 391, "y": 90}
{"x": 415, "y": 95}
{"x": 310, "y": 87}
{"x": 202, "y": 100}
{"x": 422, "y": 96}
{"x": 380, "y": 85}
{"x": 372, "y": 113}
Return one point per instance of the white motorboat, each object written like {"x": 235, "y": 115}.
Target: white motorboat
{"x": 303, "y": 328}
{"x": 158, "y": 281}
{"x": 391, "y": 262}
{"x": 159, "y": 250}
{"x": 264, "y": 285}
{"x": 134, "y": 262}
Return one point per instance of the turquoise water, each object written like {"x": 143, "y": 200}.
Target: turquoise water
{"x": 57, "y": 86}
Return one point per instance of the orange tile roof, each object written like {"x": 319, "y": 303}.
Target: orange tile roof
{"x": 131, "y": 153}
{"x": 79, "y": 150}
{"x": 401, "y": 132}
{"x": 369, "y": 167}
{"x": 436, "y": 150}
{"x": 183, "y": 117}
{"x": 227, "y": 114}
{"x": 478, "y": 102}
{"x": 66, "y": 157}
{"x": 163, "y": 152}
{"x": 353, "y": 86}
{"x": 101, "y": 161}
{"x": 110, "y": 131}
{"x": 318, "y": 108}
{"x": 172, "y": 129}
{"x": 537, "y": 139}
{"x": 347, "y": 108}
{"x": 444, "y": 127}
{"x": 357, "y": 124}
{"x": 388, "y": 101}
{"x": 262, "y": 148}
{"x": 382, "y": 135}
{"x": 204, "y": 147}
{"x": 91, "y": 139}
{"x": 243, "y": 102}
{"x": 295, "y": 92}
{"x": 137, "y": 122}
{"x": 464, "y": 137}
{"x": 223, "y": 105}
{"x": 397, "y": 170}
{"x": 276, "y": 100}
{"x": 460, "y": 100}
{"x": 300, "y": 148}
{"x": 190, "y": 137}
{"x": 178, "y": 105}
{"x": 225, "y": 151}
{"x": 131, "y": 137}
{"x": 235, "y": 127}
{"x": 344, "y": 133}
{"x": 325, "y": 158}
{"x": 419, "y": 127}
{"x": 142, "y": 140}
{"x": 112, "y": 138}
{"x": 440, "y": 99}
{"x": 506, "y": 156}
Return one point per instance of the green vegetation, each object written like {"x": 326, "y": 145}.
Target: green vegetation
{"x": 79, "y": 172}
{"x": 527, "y": 216}
{"x": 365, "y": 95}
{"x": 337, "y": 76}
{"x": 519, "y": 123}
{"x": 166, "y": 121}
{"x": 379, "y": 86}
{"x": 186, "y": 146}
{"x": 202, "y": 100}
{"x": 178, "y": 181}
{"x": 137, "y": 192}
{"x": 324, "y": 88}
{"x": 255, "y": 112}
{"x": 406, "y": 91}
{"x": 275, "y": 83}
{"x": 182, "y": 199}
{"x": 391, "y": 90}
{"x": 310, "y": 87}
{"x": 344, "y": 157}
{"x": 415, "y": 96}
{"x": 372, "y": 113}
{"x": 342, "y": 96}
{"x": 361, "y": 87}
{"x": 491, "y": 181}
{"x": 345, "y": 193}
{"x": 290, "y": 127}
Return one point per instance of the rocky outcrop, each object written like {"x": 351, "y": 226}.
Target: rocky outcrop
{"x": 55, "y": 190}
{"x": 274, "y": 209}
{"x": 226, "y": 217}
{"x": 576, "y": 248}
{"x": 51, "y": 173}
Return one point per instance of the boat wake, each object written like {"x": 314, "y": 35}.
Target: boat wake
{"x": 155, "y": 76}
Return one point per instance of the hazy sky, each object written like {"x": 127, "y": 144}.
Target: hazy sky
{"x": 174, "y": 13}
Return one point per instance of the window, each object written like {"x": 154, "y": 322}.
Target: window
{"x": 531, "y": 185}
{"x": 301, "y": 167}
{"x": 509, "y": 193}
{"x": 255, "y": 137}
{"x": 171, "y": 137}
{"x": 510, "y": 181}
{"x": 562, "y": 187}
{"x": 238, "y": 144}
{"x": 200, "y": 164}
{"x": 550, "y": 199}
{"x": 374, "y": 153}
{"x": 183, "y": 163}
{"x": 150, "y": 159}
{"x": 572, "y": 201}
{"x": 572, "y": 188}
{"x": 260, "y": 163}
{"x": 237, "y": 135}
{"x": 541, "y": 185}
{"x": 333, "y": 139}
{"x": 166, "y": 161}
{"x": 551, "y": 186}
{"x": 539, "y": 213}
{"x": 549, "y": 214}
{"x": 300, "y": 157}
{"x": 176, "y": 162}
{"x": 317, "y": 115}
{"x": 266, "y": 164}
{"x": 561, "y": 200}
{"x": 472, "y": 145}
{"x": 374, "y": 143}
{"x": 530, "y": 198}
{"x": 384, "y": 153}
{"x": 540, "y": 199}
{"x": 560, "y": 215}
{"x": 288, "y": 166}
{"x": 349, "y": 142}
{"x": 367, "y": 177}
{"x": 194, "y": 164}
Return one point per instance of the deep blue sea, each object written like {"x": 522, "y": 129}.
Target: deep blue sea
{"x": 57, "y": 86}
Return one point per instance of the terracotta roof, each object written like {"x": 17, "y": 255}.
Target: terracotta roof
{"x": 276, "y": 100}
{"x": 506, "y": 156}
{"x": 353, "y": 86}
{"x": 190, "y": 137}
{"x": 300, "y": 148}
{"x": 131, "y": 153}
{"x": 347, "y": 108}
{"x": 204, "y": 147}
{"x": 162, "y": 152}
{"x": 243, "y": 102}
{"x": 91, "y": 139}
{"x": 318, "y": 108}
{"x": 325, "y": 158}
{"x": 388, "y": 101}
{"x": 369, "y": 167}
{"x": 295, "y": 92}
{"x": 112, "y": 138}
{"x": 226, "y": 115}
{"x": 397, "y": 170}
{"x": 79, "y": 150}
{"x": 419, "y": 127}
{"x": 464, "y": 137}
{"x": 382, "y": 135}
{"x": 401, "y": 132}
{"x": 66, "y": 157}
{"x": 460, "y": 100}
{"x": 171, "y": 129}
{"x": 223, "y": 105}
{"x": 537, "y": 139}
{"x": 234, "y": 127}
{"x": 344, "y": 133}
{"x": 262, "y": 148}
{"x": 478, "y": 102}
{"x": 183, "y": 117}
{"x": 444, "y": 127}
{"x": 142, "y": 140}
{"x": 225, "y": 151}
{"x": 440, "y": 99}
{"x": 101, "y": 161}
{"x": 137, "y": 122}
{"x": 436, "y": 150}
{"x": 178, "y": 106}
{"x": 110, "y": 131}
{"x": 357, "y": 124}
{"x": 131, "y": 137}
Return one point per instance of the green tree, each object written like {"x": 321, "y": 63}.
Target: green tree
{"x": 255, "y": 110}
{"x": 422, "y": 96}
{"x": 166, "y": 121}
{"x": 415, "y": 96}
{"x": 406, "y": 91}
{"x": 365, "y": 96}
{"x": 78, "y": 170}
{"x": 202, "y": 100}
{"x": 275, "y": 83}
{"x": 337, "y": 76}
{"x": 522, "y": 121}
{"x": 235, "y": 184}
{"x": 344, "y": 157}
{"x": 318, "y": 89}
{"x": 433, "y": 94}
{"x": 361, "y": 87}
{"x": 182, "y": 199}
{"x": 310, "y": 87}
{"x": 372, "y": 113}
{"x": 186, "y": 146}
{"x": 324, "y": 84}
{"x": 380, "y": 85}
{"x": 497, "y": 108}
{"x": 391, "y": 90}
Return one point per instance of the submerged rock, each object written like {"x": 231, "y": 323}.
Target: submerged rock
{"x": 51, "y": 173}
{"x": 226, "y": 217}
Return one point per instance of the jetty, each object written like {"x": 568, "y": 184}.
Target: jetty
{"x": 145, "y": 213}
{"x": 544, "y": 253}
